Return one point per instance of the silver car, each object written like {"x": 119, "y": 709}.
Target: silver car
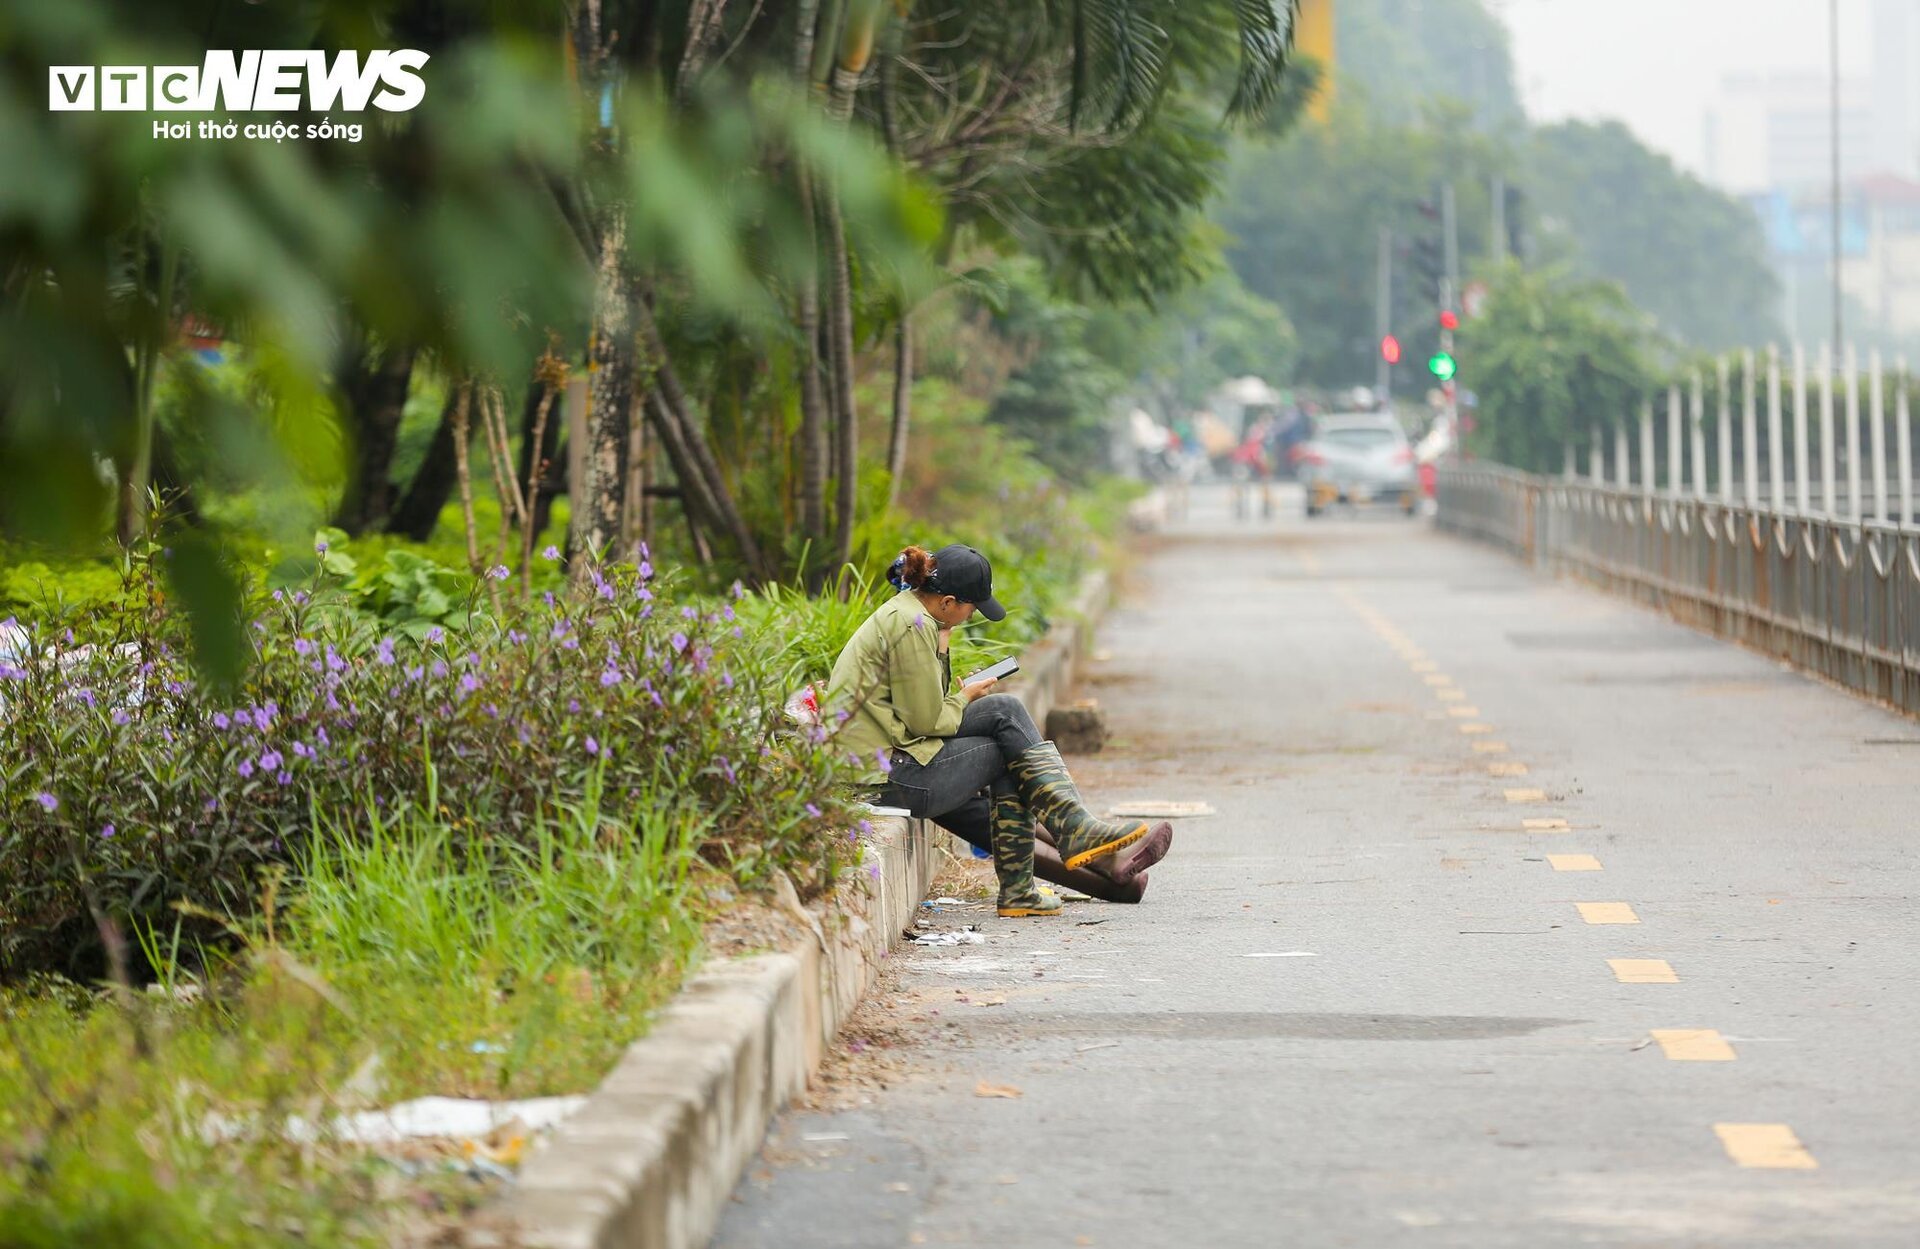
{"x": 1358, "y": 458}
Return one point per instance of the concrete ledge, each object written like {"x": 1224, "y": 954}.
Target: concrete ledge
{"x": 650, "y": 1161}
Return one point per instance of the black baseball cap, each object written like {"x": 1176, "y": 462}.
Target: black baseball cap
{"x": 965, "y": 573}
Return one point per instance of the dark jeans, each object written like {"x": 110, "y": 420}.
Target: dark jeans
{"x": 994, "y": 730}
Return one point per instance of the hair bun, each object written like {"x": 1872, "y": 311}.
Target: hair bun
{"x": 910, "y": 569}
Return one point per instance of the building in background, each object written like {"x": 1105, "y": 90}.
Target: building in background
{"x": 1770, "y": 141}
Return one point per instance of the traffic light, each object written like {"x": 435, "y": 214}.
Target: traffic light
{"x": 1442, "y": 366}
{"x": 1449, "y": 320}
{"x": 1428, "y": 256}
{"x": 1390, "y": 349}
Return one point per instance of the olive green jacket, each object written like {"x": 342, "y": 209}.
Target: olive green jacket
{"x": 893, "y": 682}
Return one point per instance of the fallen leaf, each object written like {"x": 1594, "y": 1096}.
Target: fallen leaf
{"x": 988, "y": 1089}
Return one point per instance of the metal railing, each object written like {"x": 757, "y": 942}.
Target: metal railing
{"x": 1838, "y": 597}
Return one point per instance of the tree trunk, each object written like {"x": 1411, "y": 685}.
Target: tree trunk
{"x": 544, "y": 473}
{"x": 846, "y": 416}
{"x": 813, "y": 397}
{"x": 433, "y": 482}
{"x": 693, "y": 460}
{"x": 598, "y": 510}
{"x": 373, "y": 399}
{"x": 902, "y": 405}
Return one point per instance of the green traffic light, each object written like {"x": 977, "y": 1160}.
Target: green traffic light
{"x": 1442, "y": 366}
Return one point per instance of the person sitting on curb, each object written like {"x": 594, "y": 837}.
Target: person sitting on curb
{"x": 942, "y": 747}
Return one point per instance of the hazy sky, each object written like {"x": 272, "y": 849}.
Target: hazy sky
{"x": 1657, "y": 64}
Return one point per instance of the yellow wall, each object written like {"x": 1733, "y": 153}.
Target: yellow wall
{"x": 1314, "y": 37}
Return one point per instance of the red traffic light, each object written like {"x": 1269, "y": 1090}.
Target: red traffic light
{"x": 1390, "y": 349}
{"x": 1448, "y": 321}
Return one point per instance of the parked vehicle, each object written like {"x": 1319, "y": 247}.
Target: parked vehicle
{"x": 1358, "y": 458}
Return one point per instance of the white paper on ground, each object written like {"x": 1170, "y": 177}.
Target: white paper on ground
{"x": 456, "y": 1117}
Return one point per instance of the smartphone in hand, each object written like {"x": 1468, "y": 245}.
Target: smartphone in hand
{"x": 1005, "y": 668}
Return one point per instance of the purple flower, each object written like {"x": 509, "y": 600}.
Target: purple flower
{"x": 550, "y": 553}
{"x": 885, "y": 762}
{"x": 515, "y": 637}
{"x": 262, "y": 719}
{"x": 610, "y": 677}
{"x": 499, "y": 572}
{"x": 120, "y": 716}
{"x": 213, "y": 804}
{"x": 220, "y": 720}
{"x": 334, "y": 662}
{"x": 320, "y": 734}
{"x": 739, "y": 592}
{"x": 47, "y": 802}
{"x": 593, "y": 747}
{"x": 106, "y": 832}
{"x": 726, "y": 767}
{"x": 320, "y": 548}
{"x": 873, "y": 871}
{"x": 726, "y": 680}
{"x": 813, "y": 811}
{"x": 469, "y": 683}
{"x": 644, "y": 552}
{"x": 571, "y": 644}
{"x": 865, "y": 826}
{"x": 383, "y": 653}
{"x": 679, "y": 641}
{"x": 302, "y": 751}
{"x": 415, "y": 673}
{"x": 646, "y": 571}
{"x": 440, "y": 668}
{"x": 919, "y": 618}
{"x": 245, "y": 769}
{"x": 85, "y": 696}
{"x": 284, "y": 778}
{"x": 436, "y": 635}
{"x": 689, "y": 613}
{"x": 10, "y": 673}
{"x": 270, "y": 761}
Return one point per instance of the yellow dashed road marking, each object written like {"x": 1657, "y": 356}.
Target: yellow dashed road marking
{"x": 1450, "y": 695}
{"x": 1489, "y": 748}
{"x": 1438, "y": 679}
{"x": 1606, "y": 912}
{"x": 1765, "y": 1145}
{"x": 1463, "y": 713}
{"x": 1545, "y": 824}
{"x": 1526, "y": 795}
{"x": 1642, "y": 971}
{"x": 1425, "y": 665}
{"x": 1506, "y": 769}
{"x": 1694, "y": 1045}
{"x": 1574, "y": 862}
{"x": 1476, "y": 728}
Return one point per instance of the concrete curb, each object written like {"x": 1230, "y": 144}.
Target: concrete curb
{"x": 650, "y": 1161}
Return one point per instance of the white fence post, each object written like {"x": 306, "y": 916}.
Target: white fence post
{"x": 1622, "y": 466}
{"x": 1597, "y": 459}
{"x": 1853, "y": 436}
{"x": 1723, "y": 428}
{"x": 1676, "y": 466}
{"x": 1800, "y": 484}
{"x": 1696, "y": 401}
{"x": 1750, "y": 461}
{"x": 1776, "y": 462}
{"x": 1903, "y": 445}
{"x": 1826, "y": 431}
{"x": 1877, "y": 437}
{"x": 1646, "y": 448}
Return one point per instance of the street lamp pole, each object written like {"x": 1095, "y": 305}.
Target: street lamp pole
{"x": 1833, "y": 44}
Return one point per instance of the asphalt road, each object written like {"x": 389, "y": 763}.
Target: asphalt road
{"x": 1363, "y": 1004}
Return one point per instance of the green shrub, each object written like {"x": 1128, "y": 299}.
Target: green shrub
{"x": 128, "y": 787}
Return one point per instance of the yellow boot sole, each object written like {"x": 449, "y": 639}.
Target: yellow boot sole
{"x": 1100, "y": 852}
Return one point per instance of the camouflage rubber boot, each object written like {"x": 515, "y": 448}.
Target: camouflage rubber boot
{"x": 1013, "y": 861}
{"x": 1053, "y": 798}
